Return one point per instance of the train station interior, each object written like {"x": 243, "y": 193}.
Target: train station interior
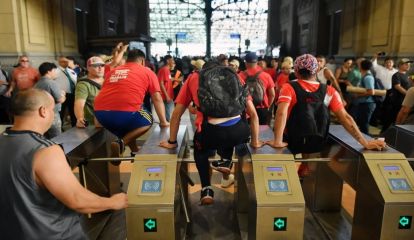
{"x": 344, "y": 190}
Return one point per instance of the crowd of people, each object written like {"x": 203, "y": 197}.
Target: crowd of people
{"x": 229, "y": 97}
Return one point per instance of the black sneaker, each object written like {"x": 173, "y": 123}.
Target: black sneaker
{"x": 222, "y": 165}
{"x": 207, "y": 196}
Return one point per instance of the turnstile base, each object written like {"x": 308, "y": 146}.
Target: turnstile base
{"x": 109, "y": 225}
{"x": 218, "y": 221}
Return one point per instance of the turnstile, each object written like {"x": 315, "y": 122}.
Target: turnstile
{"x": 81, "y": 144}
{"x": 401, "y": 137}
{"x": 268, "y": 191}
{"x": 156, "y": 207}
{"x": 383, "y": 181}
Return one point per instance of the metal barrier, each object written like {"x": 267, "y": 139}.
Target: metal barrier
{"x": 157, "y": 201}
{"x": 268, "y": 192}
{"x": 401, "y": 137}
{"x": 383, "y": 181}
{"x": 80, "y": 145}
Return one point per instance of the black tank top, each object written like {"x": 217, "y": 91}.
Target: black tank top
{"x": 28, "y": 211}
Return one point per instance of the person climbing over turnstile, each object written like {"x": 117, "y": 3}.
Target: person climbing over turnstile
{"x": 119, "y": 104}
{"x": 303, "y": 108}
{"x": 221, "y": 123}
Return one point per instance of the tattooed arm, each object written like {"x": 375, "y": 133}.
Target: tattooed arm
{"x": 349, "y": 124}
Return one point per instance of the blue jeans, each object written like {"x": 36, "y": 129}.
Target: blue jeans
{"x": 363, "y": 116}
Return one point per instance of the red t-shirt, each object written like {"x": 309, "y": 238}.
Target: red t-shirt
{"x": 280, "y": 81}
{"x": 332, "y": 98}
{"x": 266, "y": 80}
{"x": 124, "y": 88}
{"x": 188, "y": 94}
{"x": 25, "y": 78}
{"x": 164, "y": 76}
{"x": 271, "y": 72}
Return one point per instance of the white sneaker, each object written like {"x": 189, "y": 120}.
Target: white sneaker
{"x": 227, "y": 183}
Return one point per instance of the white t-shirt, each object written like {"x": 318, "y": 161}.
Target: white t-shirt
{"x": 383, "y": 74}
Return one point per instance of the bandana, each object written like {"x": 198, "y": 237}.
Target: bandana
{"x": 308, "y": 62}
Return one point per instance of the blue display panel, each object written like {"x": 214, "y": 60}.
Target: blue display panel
{"x": 151, "y": 186}
{"x": 391, "y": 168}
{"x": 154, "y": 169}
{"x": 278, "y": 186}
{"x": 275, "y": 169}
{"x": 399, "y": 184}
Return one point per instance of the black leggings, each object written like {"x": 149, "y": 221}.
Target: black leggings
{"x": 222, "y": 139}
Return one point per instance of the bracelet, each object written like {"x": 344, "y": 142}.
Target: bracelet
{"x": 172, "y": 142}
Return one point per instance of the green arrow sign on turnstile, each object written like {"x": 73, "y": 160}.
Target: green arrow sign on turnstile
{"x": 405, "y": 222}
{"x": 150, "y": 224}
{"x": 279, "y": 224}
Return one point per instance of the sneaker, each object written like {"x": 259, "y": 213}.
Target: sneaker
{"x": 117, "y": 148}
{"x": 227, "y": 183}
{"x": 207, "y": 196}
{"x": 222, "y": 165}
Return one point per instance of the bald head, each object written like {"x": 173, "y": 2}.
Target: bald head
{"x": 29, "y": 101}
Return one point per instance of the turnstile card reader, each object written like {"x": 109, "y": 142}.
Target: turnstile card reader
{"x": 276, "y": 180}
{"x": 155, "y": 205}
{"x": 269, "y": 191}
{"x": 384, "y": 185}
{"x": 396, "y": 177}
{"x": 151, "y": 198}
{"x": 152, "y": 180}
{"x": 280, "y": 206}
{"x": 392, "y": 209}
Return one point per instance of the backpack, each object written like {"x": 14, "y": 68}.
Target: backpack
{"x": 255, "y": 87}
{"x": 220, "y": 92}
{"x": 377, "y": 86}
{"x": 308, "y": 123}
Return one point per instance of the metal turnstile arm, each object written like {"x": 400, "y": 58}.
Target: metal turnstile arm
{"x": 82, "y": 170}
{"x": 187, "y": 216}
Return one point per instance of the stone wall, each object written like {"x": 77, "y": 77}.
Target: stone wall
{"x": 370, "y": 26}
{"x": 344, "y": 28}
{"x": 41, "y": 29}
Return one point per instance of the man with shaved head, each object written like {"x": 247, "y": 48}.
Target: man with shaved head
{"x": 39, "y": 195}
